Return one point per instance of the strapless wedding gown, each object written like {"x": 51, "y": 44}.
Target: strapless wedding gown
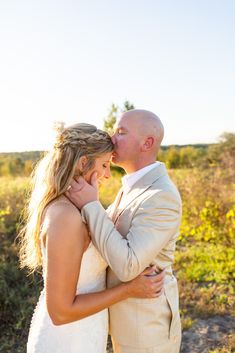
{"x": 88, "y": 335}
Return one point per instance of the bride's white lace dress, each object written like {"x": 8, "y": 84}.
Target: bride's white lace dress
{"x": 88, "y": 335}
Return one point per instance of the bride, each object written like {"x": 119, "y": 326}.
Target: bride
{"x": 71, "y": 315}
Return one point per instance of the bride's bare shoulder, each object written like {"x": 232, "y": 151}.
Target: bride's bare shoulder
{"x": 62, "y": 213}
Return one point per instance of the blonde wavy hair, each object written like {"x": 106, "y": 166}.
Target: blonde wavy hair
{"x": 51, "y": 178}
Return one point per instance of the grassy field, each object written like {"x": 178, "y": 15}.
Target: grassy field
{"x": 204, "y": 260}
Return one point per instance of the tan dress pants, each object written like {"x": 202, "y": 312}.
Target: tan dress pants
{"x": 171, "y": 346}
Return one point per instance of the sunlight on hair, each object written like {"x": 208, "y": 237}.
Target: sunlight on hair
{"x": 52, "y": 176}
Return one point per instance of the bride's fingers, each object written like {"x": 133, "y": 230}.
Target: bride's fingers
{"x": 159, "y": 293}
{"x": 149, "y": 271}
{"x": 74, "y": 186}
{"x": 155, "y": 284}
{"x": 159, "y": 277}
{"x": 159, "y": 285}
{"x": 152, "y": 272}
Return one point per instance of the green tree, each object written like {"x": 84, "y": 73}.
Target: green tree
{"x": 114, "y": 112}
{"x": 173, "y": 157}
{"x": 127, "y": 106}
{"x": 111, "y": 118}
{"x": 223, "y": 152}
{"x": 227, "y": 141}
{"x": 162, "y": 155}
{"x": 16, "y": 166}
{"x": 188, "y": 156}
{"x": 28, "y": 167}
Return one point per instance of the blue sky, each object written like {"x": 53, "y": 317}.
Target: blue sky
{"x": 70, "y": 60}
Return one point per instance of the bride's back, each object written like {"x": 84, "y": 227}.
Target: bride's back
{"x": 44, "y": 336}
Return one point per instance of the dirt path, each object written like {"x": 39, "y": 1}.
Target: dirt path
{"x": 208, "y": 334}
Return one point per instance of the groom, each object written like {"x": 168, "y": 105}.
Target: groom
{"x": 138, "y": 230}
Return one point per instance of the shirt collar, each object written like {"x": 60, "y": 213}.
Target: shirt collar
{"x": 130, "y": 179}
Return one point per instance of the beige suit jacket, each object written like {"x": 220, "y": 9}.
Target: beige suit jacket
{"x": 143, "y": 232}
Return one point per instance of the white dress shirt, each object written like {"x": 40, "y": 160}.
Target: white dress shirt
{"x": 130, "y": 179}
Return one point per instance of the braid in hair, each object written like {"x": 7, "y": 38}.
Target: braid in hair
{"x": 52, "y": 177}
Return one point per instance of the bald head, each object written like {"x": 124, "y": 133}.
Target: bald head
{"x": 145, "y": 123}
{"x": 137, "y": 138}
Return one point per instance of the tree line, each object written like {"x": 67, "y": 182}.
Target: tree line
{"x": 174, "y": 156}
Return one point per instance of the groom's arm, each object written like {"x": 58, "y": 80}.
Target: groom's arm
{"x": 153, "y": 225}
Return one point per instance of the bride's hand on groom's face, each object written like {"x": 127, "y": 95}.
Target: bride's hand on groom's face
{"x": 80, "y": 192}
{"x": 148, "y": 284}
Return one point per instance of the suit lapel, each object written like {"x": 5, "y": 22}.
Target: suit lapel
{"x": 139, "y": 188}
{"x": 113, "y": 208}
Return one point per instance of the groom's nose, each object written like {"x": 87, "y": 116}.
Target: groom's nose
{"x": 113, "y": 138}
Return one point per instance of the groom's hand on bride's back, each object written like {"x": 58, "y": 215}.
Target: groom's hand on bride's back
{"x": 80, "y": 192}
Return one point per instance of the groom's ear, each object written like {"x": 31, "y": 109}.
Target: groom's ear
{"x": 82, "y": 163}
{"x": 148, "y": 144}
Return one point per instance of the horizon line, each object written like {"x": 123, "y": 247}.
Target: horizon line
{"x": 162, "y": 146}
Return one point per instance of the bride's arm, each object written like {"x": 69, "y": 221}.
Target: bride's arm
{"x": 65, "y": 243}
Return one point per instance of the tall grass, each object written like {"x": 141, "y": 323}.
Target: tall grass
{"x": 19, "y": 293}
{"x": 204, "y": 259}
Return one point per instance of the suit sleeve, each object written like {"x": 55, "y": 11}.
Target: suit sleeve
{"x": 153, "y": 225}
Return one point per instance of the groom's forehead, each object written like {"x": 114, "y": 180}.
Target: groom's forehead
{"x": 121, "y": 123}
